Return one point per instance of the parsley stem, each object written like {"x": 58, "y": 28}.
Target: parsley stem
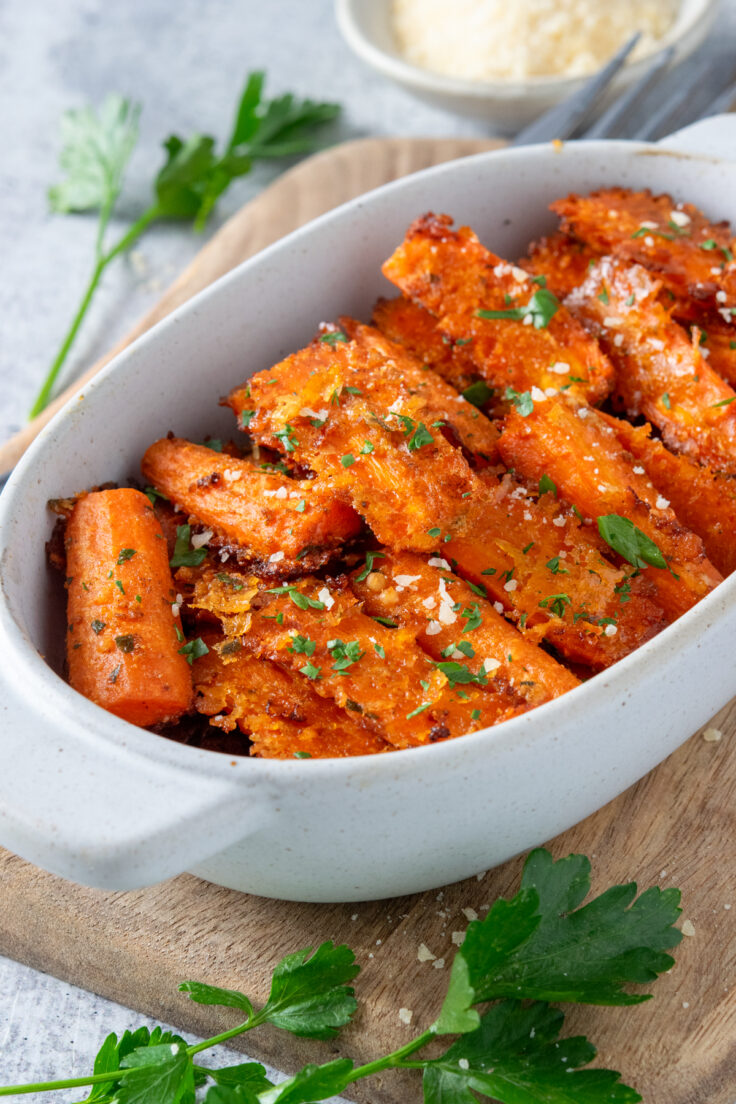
{"x": 393, "y": 1059}
{"x": 222, "y": 1038}
{"x": 69, "y": 1083}
{"x": 102, "y": 261}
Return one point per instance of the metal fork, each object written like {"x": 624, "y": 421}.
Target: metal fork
{"x": 645, "y": 111}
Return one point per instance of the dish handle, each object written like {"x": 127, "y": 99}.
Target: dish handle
{"x": 114, "y": 811}
{"x": 713, "y": 137}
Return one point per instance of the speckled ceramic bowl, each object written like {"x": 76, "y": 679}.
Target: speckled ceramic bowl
{"x": 95, "y": 799}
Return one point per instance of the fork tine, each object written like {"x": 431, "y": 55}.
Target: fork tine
{"x": 562, "y": 120}
{"x": 672, "y": 111}
{"x": 609, "y": 123}
{"x": 723, "y": 102}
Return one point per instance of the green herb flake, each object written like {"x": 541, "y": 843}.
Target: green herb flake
{"x": 125, "y": 554}
{"x": 630, "y": 542}
{"x": 724, "y": 402}
{"x": 194, "y": 649}
{"x": 418, "y": 710}
{"x": 541, "y": 308}
{"x": 287, "y": 438}
{"x": 666, "y": 401}
{"x": 547, "y": 486}
{"x": 97, "y": 626}
{"x": 125, "y": 643}
{"x": 114, "y": 674}
{"x": 184, "y": 554}
{"x": 478, "y": 393}
{"x": 434, "y": 532}
{"x": 475, "y": 715}
{"x": 379, "y": 650}
{"x": 229, "y": 580}
{"x": 334, "y": 337}
{"x": 301, "y": 601}
{"x": 347, "y": 460}
{"x": 522, "y": 400}
{"x": 120, "y": 586}
{"x": 370, "y": 558}
{"x": 302, "y": 645}
{"x": 301, "y": 506}
{"x": 420, "y": 438}
{"x": 302, "y": 755}
{"x": 603, "y": 296}
{"x": 367, "y": 448}
{"x": 554, "y": 566}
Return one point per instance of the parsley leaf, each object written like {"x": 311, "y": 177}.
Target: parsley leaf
{"x": 516, "y": 1057}
{"x": 310, "y": 996}
{"x": 547, "y": 486}
{"x": 478, "y": 393}
{"x": 194, "y": 649}
{"x": 420, "y": 437}
{"x": 301, "y": 601}
{"x": 311, "y": 1083}
{"x": 213, "y": 994}
{"x": 184, "y": 554}
{"x": 333, "y": 337}
{"x": 160, "y": 1073}
{"x": 370, "y": 558}
{"x": 630, "y": 542}
{"x": 522, "y": 400}
{"x": 95, "y": 152}
{"x": 541, "y": 309}
{"x": 458, "y": 673}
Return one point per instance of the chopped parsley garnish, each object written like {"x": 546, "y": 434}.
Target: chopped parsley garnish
{"x": 125, "y": 643}
{"x": 310, "y": 671}
{"x": 246, "y": 417}
{"x": 475, "y": 715}
{"x": 114, "y": 673}
{"x": 630, "y": 542}
{"x": 474, "y": 619}
{"x": 419, "y": 709}
{"x": 125, "y": 554}
{"x": 554, "y": 566}
{"x": 547, "y": 486}
{"x": 387, "y": 622}
{"x": 556, "y": 604}
{"x": 152, "y": 494}
{"x": 666, "y": 401}
{"x": 367, "y": 449}
{"x": 213, "y": 443}
{"x": 345, "y": 655}
{"x": 541, "y": 308}
{"x": 287, "y": 438}
{"x": 303, "y": 645}
{"x": 333, "y": 337}
{"x": 347, "y": 460}
{"x": 120, "y": 586}
{"x": 194, "y": 649}
{"x": 478, "y": 393}
{"x": 302, "y": 755}
{"x": 528, "y": 548}
{"x": 489, "y": 571}
{"x": 370, "y": 558}
{"x": 459, "y": 674}
{"x": 603, "y": 296}
{"x": 380, "y": 650}
{"x": 301, "y": 506}
{"x": 184, "y": 554}
{"x": 419, "y": 438}
{"x": 522, "y": 400}
{"x": 301, "y": 601}
{"x": 434, "y": 532}
{"x": 724, "y": 402}
{"x": 643, "y": 231}
{"x": 228, "y": 580}
{"x": 97, "y": 626}
{"x": 630, "y": 300}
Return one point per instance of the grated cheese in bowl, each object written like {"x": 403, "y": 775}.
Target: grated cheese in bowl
{"x": 487, "y": 40}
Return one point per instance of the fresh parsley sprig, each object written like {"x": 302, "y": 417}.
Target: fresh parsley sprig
{"x": 96, "y": 150}
{"x": 543, "y": 944}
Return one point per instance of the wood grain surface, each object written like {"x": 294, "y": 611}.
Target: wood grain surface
{"x": 675, "y": 827}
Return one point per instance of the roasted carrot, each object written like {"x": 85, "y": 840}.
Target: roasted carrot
{"x": 459, "y": 420}
{"x": 421, "y": 498}
{"x": 561, "y": 260}
{"x": 660, "y": 372}
{"x": 571, "y": 444}
{"x": 691, "y": 256}
{"x": 409, "y": 324}
{"x": 702, "y": 499}
{"x": 123, "y": 638}
{"x": 451, "y": 619}
{"x": 275, "y": 524}
{"x": 278, "y": 710}
{"x": 361, "y": 428}
{"x": 717, "y": 342}
{"x": 519, "y": 335}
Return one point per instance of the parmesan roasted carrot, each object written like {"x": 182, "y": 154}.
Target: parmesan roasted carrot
{"x": 561, "y": 260}
{"x": 339, "y": 411}
{"x": 276, "y": 524}
{"x": 457, "y": 418}
{"x": 660, "y": 372}
{"x": 702, "y": 499}
{"x": 278, "y": 710}
{"x": 419, "y": 495}
{"x": 319, "y": 633}
{"x": 519, "y": 335}
{"x": 123, "y": 639}
{"x": 570, "y": 444}
{"x": 691, "y": 256}
{"x": 451, "y": 619}
{"x": 717, "y": 341}
{"x": 409, "y": 324}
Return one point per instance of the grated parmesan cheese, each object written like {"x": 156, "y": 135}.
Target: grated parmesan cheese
{"x": 530, "y": 38}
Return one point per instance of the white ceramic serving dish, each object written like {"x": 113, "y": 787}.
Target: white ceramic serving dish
{"x": 100, "y": 801}
{"x": 506, "y": 104}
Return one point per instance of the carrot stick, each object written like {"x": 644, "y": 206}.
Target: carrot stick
{"x": 563, "y": 261}
{"x": 424, "y": 596}
{"x": 570, "y": 444}
{"x": 278, "y": 710}
{"x": 123, "y": 639}
{"x": 660, "y": 373}
{"x": 519, "y": 335}
{"x": 691, "y": 255}
{"x": 276, "y": 524}
{"x": 702, "y": 500}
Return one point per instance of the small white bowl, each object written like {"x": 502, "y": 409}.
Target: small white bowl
{"x": 507, "y": 104}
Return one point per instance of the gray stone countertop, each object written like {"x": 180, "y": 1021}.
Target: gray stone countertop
{"x": 186, "y": 63}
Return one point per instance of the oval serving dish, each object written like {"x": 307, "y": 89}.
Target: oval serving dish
{"x": 100, "y": 801}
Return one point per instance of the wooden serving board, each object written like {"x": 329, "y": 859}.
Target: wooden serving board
{"x": 675, "y": 827}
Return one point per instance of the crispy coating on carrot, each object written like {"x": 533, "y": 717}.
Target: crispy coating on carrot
{"x": 562, "y": 260}
{"x": 362, "y": 429}
{"x": 548, "y": 572}
{"x": 123, "y": 639}
{"x": 254, "y": 514}
{"x": 451, "y": 619}
{"x": 575, "y": 448}
{"x": 412, "y": 326}
{"x": 690, "y": 255}
{"x": 702, "y": 499}
{"x": 660, "y": 372}
{"x": 455, "y": 277}
{"x": 462, "y": 423}
{"x": 717, "y": 341}
{"x": 277, "y": 709}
